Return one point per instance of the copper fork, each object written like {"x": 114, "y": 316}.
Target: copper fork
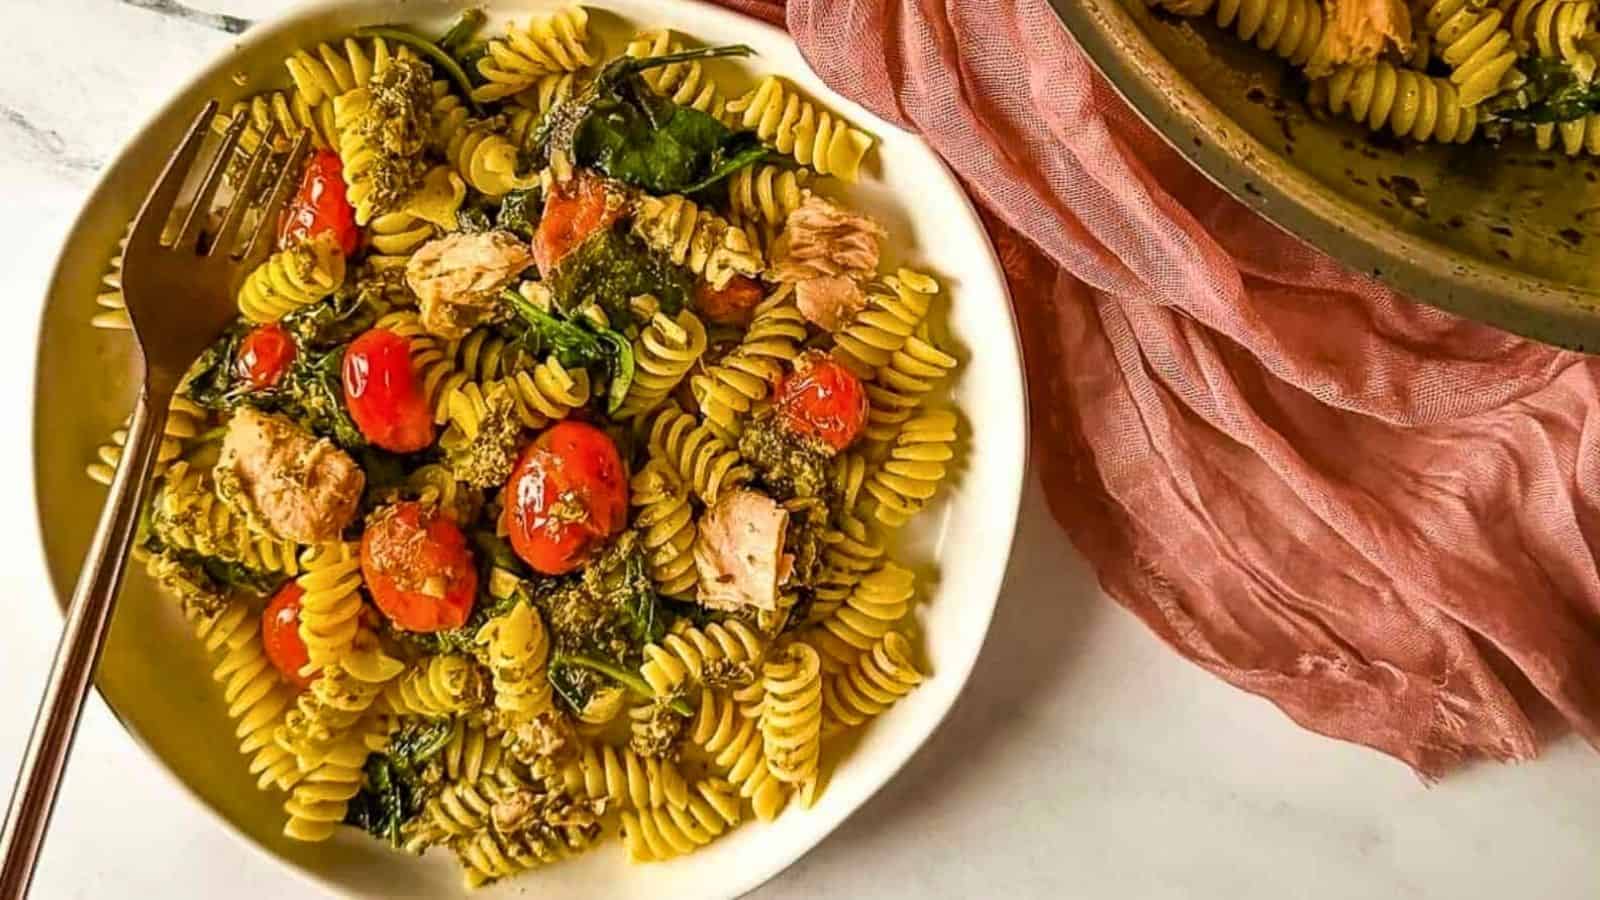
{"x": 180, "y": 298}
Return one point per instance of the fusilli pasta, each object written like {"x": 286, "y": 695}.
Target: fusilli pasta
{"x": 815, "y": 137}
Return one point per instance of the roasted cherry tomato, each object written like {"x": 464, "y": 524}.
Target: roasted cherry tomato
{"x": 567, "y": 494}
{"x": 383, "y": 394}
{"x": 320, "y": 206}
{"x": 733, "y": 304}
{"x": 280, "y": 634}
{"x": 264, "y": 356}
{"x": 575, "y": 209}
{"x": 821, "y": 399}
{"x": 418, "y": 568}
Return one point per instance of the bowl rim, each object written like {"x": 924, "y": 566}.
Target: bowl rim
{"x": 1296, "y": 202}
{"x": 291, "y": 17}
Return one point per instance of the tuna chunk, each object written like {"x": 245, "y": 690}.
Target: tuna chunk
{"x": 820, "y": 239}
{"x": 1357, "y": 31}
{"x": 456, "y": 278}
{"x": 287, "y": 482}
{"x": 830, "y": 301}
{"x": 739, "y": 552}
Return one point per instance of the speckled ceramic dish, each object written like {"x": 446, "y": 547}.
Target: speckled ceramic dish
{"x": 155, "y": 675}
{"x": 1507, "y": 235}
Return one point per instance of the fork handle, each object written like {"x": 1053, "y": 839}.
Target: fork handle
{"x": 88, "y": 618}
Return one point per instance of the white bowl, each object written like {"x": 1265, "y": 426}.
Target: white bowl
{"x": 155, "y": 676}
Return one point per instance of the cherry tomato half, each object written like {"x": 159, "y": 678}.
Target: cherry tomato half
{"x": 575, "y": 209}
{"x": 264, "y": 356}
{"x": 320, "y": 206}
{"x": 280, "y": 634}
{"x": 567, "y": 494}
{"x": 732, "y": 304}
{"x": 822, "y": 399}
{"x": 383, "y": 394}
{"x": 418, "y": 567}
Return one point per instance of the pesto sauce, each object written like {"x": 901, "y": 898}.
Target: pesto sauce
{"x": 790, "y": 467}
{"x": 609, "y": 270}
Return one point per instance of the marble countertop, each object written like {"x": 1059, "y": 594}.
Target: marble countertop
{"x": 1083, "y": 760}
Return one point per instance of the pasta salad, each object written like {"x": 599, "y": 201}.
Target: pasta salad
{"x": 543, "y": 487}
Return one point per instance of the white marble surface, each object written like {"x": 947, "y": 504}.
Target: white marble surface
{"x": 1084, "y": 759}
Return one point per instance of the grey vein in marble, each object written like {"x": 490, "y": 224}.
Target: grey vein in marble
{"x": 219, "y": 21}
{"x": 49, "y": 142}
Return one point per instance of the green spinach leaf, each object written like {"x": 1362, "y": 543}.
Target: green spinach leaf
{"x": 393, "y": 789}
{"x": 611, "y": 268}
{"x": 519, "y": 212}
{"x": 578, "y": 343}
{"x": 1552, "y": 93}
{"x": 618, "y": 125}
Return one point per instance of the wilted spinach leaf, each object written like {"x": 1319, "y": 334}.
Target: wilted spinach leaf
{"x": 519, "y": 212}
{"x": 618, "y": 125}
{"x": 393, "y": 792}
{"x": 611, "y": 268}
{"x": 1552, "y": 93}
{"x": 578, "y": 343}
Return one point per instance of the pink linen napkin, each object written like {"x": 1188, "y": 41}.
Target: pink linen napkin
{"x": 1374, "y": 514}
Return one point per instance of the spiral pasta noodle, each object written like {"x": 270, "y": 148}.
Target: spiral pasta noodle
{"x": 356, "y": 153}
{"x": 326, "y": 713}
{"x": 470, "y": 752}
{"x": 720, "y": 654}
{"x": 188, "y": 515}
{"x": 1471, "y": 41}
{"x": 330, "y": 608}
{"x": 515, "y": 649}
{"x": 654, "y": 835}
{"x": 815, "y": 137}
{"x": 113, "y": 314}
{"x": 460, "y": 809}
{"x": 625, "y": 778}
{"x": 918, "y": 461}
{"x": 704, "y": 461}
{"x": 484, "y": 355}
{"x": 484, "y": 158}
{"x": 490, "y": 855}
{"x": 547, "y": 44}
{"x": 870, "y": 685}
{"x": 1292, "y": 29}
{"x": 255, "y": 694}
{"x": 1557, "y": 29}
{"x": 849, "y": 551}
{"x": 729, "y": 388}
{"x": 894, "y": 310}
{"x": 291, "y": 278}
{"x": 317, "y": 804}
{"x": 1579, "y": 136}
{"x": 684, "y": 83}
{"x": 898, "y": 388}
{"x": 733, "y": 739}
{"x": 791, "y": 717}
{"x": 288, "y": 111}
{"x": 534, "y": 103}
{"x": 761, "y": 198}
{"x": 325, "y": 72}
{"x": 880, "y": 599}
{"x": 663, "y": 353}
{"x": 392, "y": 238}
{"x": 184, "y": 420}
{"x": 666, "y": 526}
{"x": 696, "y": 238}
{"x": 437, "y": 686}
{"x": 1411, "y": 104}
{"x": 548, "y": 392}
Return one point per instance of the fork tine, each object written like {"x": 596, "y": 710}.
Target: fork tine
{"x": 228, "y": 231}
{"x": 200, "y": 209}
{"x": 287, "y": 181}
{"x": 158, "y": 204}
